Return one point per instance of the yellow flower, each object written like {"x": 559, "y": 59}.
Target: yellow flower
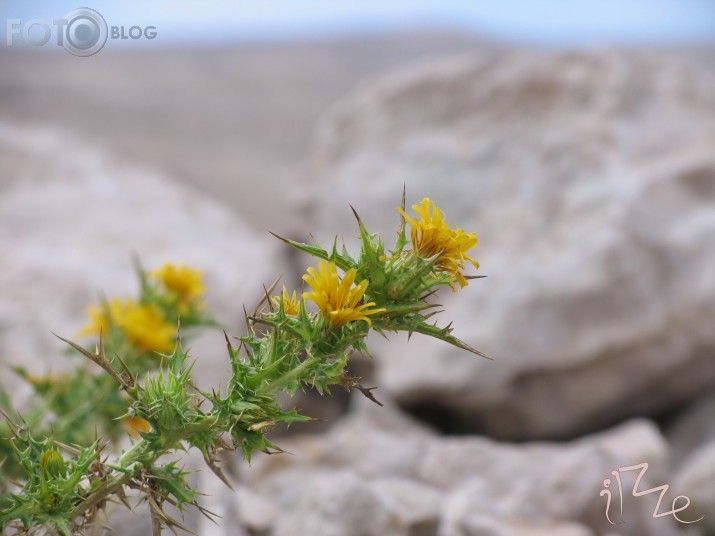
{"x": 338, "y": 300}
{"x": 143, "y": 325}
{"x": 38, "y": 381}
{"x": 99, "y": 318}
{"x": 291, "y": 304}
{"x": 136, "y": 424}
{"x": 187, "y": 283}
{"x": 431, "y": 236}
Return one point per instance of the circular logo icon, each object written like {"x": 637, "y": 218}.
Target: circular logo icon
{"x": 85, "y": 33}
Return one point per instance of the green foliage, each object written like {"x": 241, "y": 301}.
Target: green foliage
{"x": 286, "y": 348}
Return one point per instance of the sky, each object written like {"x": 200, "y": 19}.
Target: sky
{"x": 551, "y": 22}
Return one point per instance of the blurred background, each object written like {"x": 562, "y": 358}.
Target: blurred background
{"x": 576, "y": 139}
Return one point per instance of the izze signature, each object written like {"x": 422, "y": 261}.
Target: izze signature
{"x": 662, "y": 489}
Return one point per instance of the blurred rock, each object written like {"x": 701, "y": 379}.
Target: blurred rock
{"x": 136, "y": 522}
{"x": 590, "y": 178}
{"x": 691, "y": 428}
{"x": 398, "y": 478}
{"x": 417, "y": 506}
{"x": 696, "y": 479}
{"x": 481, "y": 525}
{"x": 240, "y": 512}
{"x": 339, "y": 504}
{"x": 70, "y": 220}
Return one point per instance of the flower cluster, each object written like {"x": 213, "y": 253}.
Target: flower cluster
{"x": 186, "y": 284}
{"x": 388, "y": 292}
{"x": 170, "y": 294}
{"x": 289, "y": 302}
{"x": 293, "y": 341}
{"x": 138, "y": 329}
{"x": 143, "y": 325}
{"x": 337, "y": 299}
{"x": 432, "y": 237}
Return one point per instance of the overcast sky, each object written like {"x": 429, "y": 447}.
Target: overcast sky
{"x": 541, "y": 21}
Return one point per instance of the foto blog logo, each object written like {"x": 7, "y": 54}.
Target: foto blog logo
{"x": 82, "y": 32}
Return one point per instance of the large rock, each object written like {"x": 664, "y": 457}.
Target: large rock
{"x": 377, "y": 472}
{"x": 691, "y": 428}
{"x": 590, "y": 178}
{"x": 697, "y": 477}
{"x": 71, "y": 217}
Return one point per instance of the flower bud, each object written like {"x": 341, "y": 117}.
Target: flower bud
{"x": 53, "y": 464}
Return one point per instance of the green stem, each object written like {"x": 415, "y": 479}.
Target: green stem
{"x": 289, "y": 376}
{"x": 117, "y": 478}
{"x": 140, "y": 453}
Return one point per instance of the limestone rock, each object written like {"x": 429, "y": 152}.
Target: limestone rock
{"x": 71, "y": 217}
{"x": 696, "y": 480}
{"x": 339, "y": 504}
{"x": 590, "y": 178}
{"x": 413, "y": 480}
{"x": 476, "y": 525}
{"x": 692, "y": 428}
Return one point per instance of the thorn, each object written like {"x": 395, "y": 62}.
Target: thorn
{"x": 207, "y": 513}
{"x": 431, "y": 314}
{"x": 356, "y": 216}
{"x": 281, "y": 238}
{"x": 132, "y": 378}
{"x": 248, "y": 324}
{"x": 100, "y": 360}
{"x": 266, "y": 297}
{"x": 216, "y": 470}
{"x": 72, "y": 450}
{"x": 228, "y": 342}
{"x": 401, "y": 229}
{"x": 178, "y": 331}
{"x": 367, "y": 391}
{"x": 14, "y": 427}
{"x": 100, "y": 347}
{"x": 157, "y": 517}
{"x": 430, "y": 293}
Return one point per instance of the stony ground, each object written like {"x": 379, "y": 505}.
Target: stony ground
{"x": 589, "y": 176}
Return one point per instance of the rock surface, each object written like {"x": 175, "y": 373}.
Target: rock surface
{"x": 590, "y": 177}
{"x": 377, "y": 472}
{"x": 70, "y": 220}
{"x": 691, "y": 428}
{"x": 697, "y": 476}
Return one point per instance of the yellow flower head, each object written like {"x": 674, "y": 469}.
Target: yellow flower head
{"x": 100, "y": 316}
{"x": 338, "y": 300}
{"x": 431, "y": 236}
{"x": 291, "y": 304}
{"x": 40, "y": 381}
{"x": 136, "y": 424}
{"x": 143, "y": 325}
{"x": 187, "y": 283}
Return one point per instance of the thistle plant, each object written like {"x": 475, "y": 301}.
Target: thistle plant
{"x": 294, "y": 340}
{"x": 134, "y": 328}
